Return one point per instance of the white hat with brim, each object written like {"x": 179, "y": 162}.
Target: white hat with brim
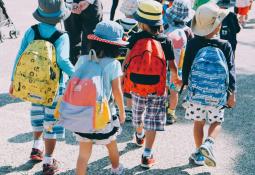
{"x": 207, "y": 18}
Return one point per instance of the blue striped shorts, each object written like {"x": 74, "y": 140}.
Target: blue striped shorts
{"x": 42, "y": 119}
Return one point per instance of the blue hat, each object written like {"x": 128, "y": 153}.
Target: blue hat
{"x": 51, "y": 11}
{"x": 109, "y": 32}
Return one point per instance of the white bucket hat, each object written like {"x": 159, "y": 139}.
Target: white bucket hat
{"x": 207, "y": 18}
{"x": 129, "y": 7}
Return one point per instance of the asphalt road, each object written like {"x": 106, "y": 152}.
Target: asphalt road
{"x": 234, "y": 149}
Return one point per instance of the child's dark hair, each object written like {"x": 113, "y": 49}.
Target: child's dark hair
{"x": 156, "y": 29}
{"x": 108, "y": 50}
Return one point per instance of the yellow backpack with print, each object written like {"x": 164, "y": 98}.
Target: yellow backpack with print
{"x": 37, "y": 75}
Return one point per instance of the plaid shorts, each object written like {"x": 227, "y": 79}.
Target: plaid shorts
{"x": 42, "y": 119}
{"x": 149, "y": 112}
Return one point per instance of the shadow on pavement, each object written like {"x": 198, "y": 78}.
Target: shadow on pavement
{"x": 22, "y": 138}
{"x": 251, "y": 21}
{"x": 6, "y": 99}
{"x": 240, "y": 123}
{"x": 100, "y": 165}
{"x": 24, "y": 167}
{"x": 180, "y": 170}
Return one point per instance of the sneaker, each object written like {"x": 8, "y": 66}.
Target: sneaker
{"x": 139, "y": 141}
{"x": 119, "y": 172}
{"x": 207, "y": 152}
{"x": 49, "y": 169}
{"x": 170, "y": 118}
{"x": 198, "y": 159}
{"x": 36, "y": 155}
{"x": 147, "y": 162}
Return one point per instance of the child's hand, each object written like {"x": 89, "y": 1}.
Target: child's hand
{"x": 231, "y": 100}
{"x": 122, "y": 117}
{"x": 11, "y": 90}
{"x": 83, "y": 5}
{"x": 75, "y": 8}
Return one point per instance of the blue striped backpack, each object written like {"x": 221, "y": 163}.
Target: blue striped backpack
{"x": 208, "y": 78}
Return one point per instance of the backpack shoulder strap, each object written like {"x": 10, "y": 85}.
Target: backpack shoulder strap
{"x": 55, "y": 36}
{"x": 37, "y": 32}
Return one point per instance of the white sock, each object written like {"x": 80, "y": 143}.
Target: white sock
{"x": 38, "y": 144}
{"x": 140, "y": 135}
{"x": 209, "y": 140}
{"x": 118, "y": 170}
{"x": 47, "y": 160}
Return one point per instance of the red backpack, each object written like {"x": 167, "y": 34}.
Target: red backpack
{"x": 145, "y": 69}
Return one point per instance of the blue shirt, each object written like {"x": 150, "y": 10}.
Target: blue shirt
{"x": 62, "y": 46}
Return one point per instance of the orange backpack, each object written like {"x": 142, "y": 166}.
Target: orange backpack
{"x": 145, "y": 69}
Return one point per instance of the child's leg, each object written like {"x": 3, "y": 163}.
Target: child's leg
{"x": 173, "y": 99}
{"x": 128, "y": 108}
{"x": 138, "y": 109}
{"x": 149, "y": 141}
{"x": 198, "y": 132}
{"x": 52, "y": 131}
{"x": 113, "y": 154}
{"x": 37, "y": 117}
{"x": 214, "y": 130}
{"x": 129, "y": 103}
{"x": 215, "y": 117}
{"x": 84, "y": 155}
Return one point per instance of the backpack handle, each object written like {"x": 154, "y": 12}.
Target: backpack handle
{"x": 93, "y": 55}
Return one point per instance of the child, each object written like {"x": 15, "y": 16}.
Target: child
{"x": 150, "y": 106}
{"x": 230, "y": 27}
{"x": 207, "y": 90}
{"x": 243, "y": 7}
{"x": 42, "y": 116}
{"x": 179, "y": 33}
{"x": 106, "y": 42}
{"x": 130, "y": 26}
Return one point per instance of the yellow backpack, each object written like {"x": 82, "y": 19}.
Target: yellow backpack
{"x": 37, "y": 75}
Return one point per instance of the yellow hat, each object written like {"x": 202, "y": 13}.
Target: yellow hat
{"x": 149, "y": 12}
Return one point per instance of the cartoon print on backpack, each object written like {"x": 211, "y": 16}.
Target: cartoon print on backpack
{"x": 37, "y": 72}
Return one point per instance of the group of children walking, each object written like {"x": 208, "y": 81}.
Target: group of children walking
{"x": 157, "y": 60}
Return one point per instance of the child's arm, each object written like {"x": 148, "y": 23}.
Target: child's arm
{"x": 62, "y": 49}
{"x": 187, "y": 63}
{"x": 174, "y": 73}
{"x": 118, "y": 97}
{"x": 28, "y": 37}
{"x": 232, "y": 77}
{"x": 25, "y": 41}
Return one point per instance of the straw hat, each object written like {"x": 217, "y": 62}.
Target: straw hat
{"x": 207, "y": 18}
{"x": 149, "y": 12}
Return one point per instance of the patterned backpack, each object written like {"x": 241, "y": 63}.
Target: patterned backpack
{"x": 145, "y": 69}
{"x": 36, "y": 77}
{"x": 84, "y": 107}
{"x": 208, "y": 78}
